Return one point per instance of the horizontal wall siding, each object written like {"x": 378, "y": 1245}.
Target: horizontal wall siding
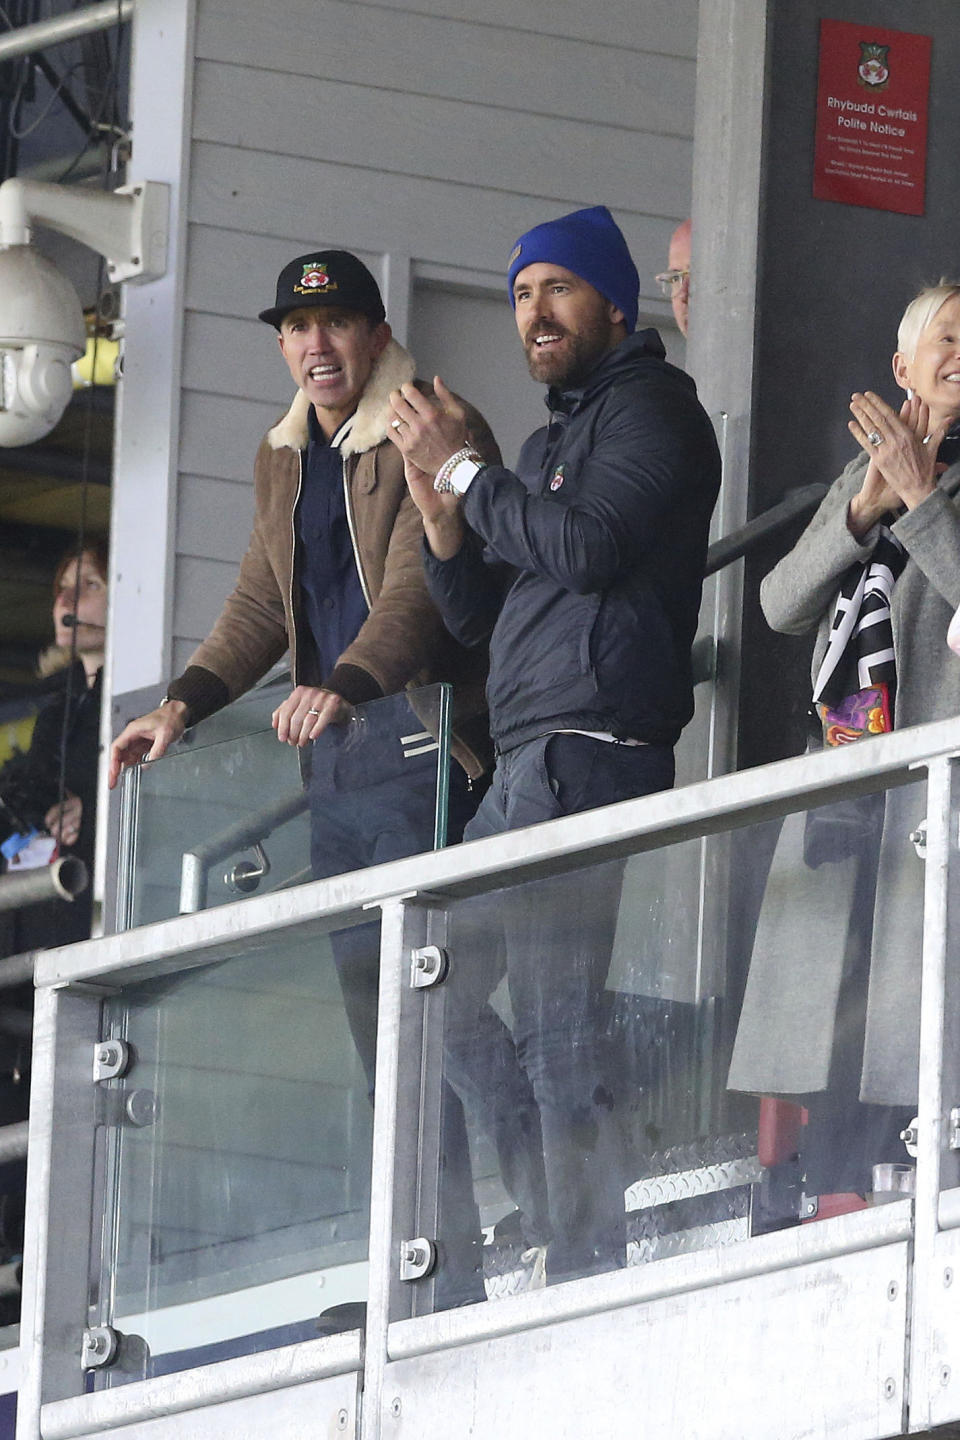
{"x": 450, "y": 223}
{"x": 426, "y": 142}
{"x": 201, "y": 496}
{"x": 423, "y": 137}
{"x": 219, "y": 436}
{"x": 501, "y": 68}
{"x": 307, "y": 26}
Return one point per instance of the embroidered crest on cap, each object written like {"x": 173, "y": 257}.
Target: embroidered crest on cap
{"x": 314, "y": 277}
{"x": 557, "y": 480}
{"x": 514, "y": 254}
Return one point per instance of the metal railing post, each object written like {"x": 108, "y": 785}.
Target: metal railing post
{"x": 933, "y": 1131}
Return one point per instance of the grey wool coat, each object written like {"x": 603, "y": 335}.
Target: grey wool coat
{"x": 811, "y": 921}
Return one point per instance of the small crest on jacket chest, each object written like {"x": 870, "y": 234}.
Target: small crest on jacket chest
{"x": 556, "y": 479}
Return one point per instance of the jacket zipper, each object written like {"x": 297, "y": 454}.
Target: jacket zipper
{"x": 293, "y": 564}
{"x": 353, "y": 536}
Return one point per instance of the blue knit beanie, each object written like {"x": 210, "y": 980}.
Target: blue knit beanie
{"x": 591, "y": 244}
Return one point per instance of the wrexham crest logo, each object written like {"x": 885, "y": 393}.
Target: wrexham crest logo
{"x": 873, "y": 71}
{"x": 314, "y": 278}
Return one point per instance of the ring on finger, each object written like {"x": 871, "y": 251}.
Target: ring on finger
{"x": 395, "y": 424}
{"x": 313, "y": 712}
{"x": 875, "y": 438}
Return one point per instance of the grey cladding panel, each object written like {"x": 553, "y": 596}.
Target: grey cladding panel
{"x": 227, "y": 356}
{"x": 214, "y": 517}
{"x": 491, "y": 372}
{"x": 411, "y": 135}
{"x": 201, "y": 586}
{"x": 662, "y": 29}
{"x": 503, "y": 68}
{"x": 229, "y": 273}
{"x": 219, "y": 434}
{"x": 433, "y": 220}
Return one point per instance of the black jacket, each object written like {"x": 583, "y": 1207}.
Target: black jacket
{"x": 70, "y": 719}
{"x": 604, "y": 526}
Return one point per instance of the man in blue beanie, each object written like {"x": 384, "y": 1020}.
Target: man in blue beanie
{"x": 584, "y": 566}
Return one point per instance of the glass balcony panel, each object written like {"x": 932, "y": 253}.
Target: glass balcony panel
{"x": 238, "y": 1157}
{"x": 202, "y": 811}
{"x": 668, "y": 1054}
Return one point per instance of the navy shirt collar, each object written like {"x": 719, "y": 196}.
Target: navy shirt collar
{"x": 317, "y": 437}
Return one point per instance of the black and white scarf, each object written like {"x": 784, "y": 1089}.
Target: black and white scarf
{"x": 860, "y": 648}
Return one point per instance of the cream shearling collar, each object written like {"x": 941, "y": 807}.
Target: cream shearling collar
{"x": 393, "y": 369}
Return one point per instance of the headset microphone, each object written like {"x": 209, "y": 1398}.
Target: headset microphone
{"x": 72, "y": 622}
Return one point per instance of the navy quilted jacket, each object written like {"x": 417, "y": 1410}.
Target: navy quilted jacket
{"x": 603, "y": 529}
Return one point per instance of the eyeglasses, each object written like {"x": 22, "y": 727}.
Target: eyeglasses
{"x": 671, "y": 280}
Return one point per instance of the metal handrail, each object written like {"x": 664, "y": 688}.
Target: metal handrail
{"x": 243, "y": 835}
{"x": 13, "y": 1141}
{"x": 64, "y": 879}
{"x": 611, "y": 832}
{"x": 252, "y": 830}
{"x": 26, "y": 39}
{"x": 798, "y": 502}
{"x": 17, "y": 969}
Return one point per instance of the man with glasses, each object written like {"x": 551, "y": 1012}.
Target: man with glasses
{"x": 675, "y": 280}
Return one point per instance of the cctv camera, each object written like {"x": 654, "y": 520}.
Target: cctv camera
{"x": 42, "y": 332}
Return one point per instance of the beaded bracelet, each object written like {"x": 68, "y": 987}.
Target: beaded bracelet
{"x": 441, "y": 481}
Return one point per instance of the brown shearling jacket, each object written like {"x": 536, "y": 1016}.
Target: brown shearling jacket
{"x": 403, "y": 641}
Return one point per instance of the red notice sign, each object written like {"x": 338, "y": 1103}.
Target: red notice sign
{"x": 871, "y": 145}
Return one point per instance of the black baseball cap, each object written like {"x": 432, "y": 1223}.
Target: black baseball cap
{"x": 326, "y": 277}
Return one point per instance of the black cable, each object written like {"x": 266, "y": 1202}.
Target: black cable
{"x": 109, "y": 99}
{"x": 110, "y": 95}
{"x": 61, "y": 91}
{"x": 102, "y": 288}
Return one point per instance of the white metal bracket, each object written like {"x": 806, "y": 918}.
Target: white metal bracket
{"x": 417, "y": 1258}
{"x": 953, "y": 1129}
{"x": 111, "y": 1059}
{"x": 101, "y": 1344}
{"x": 428, "y": 966}
{"x": 911, "y": 1137}
{"x": 130, "y": 225}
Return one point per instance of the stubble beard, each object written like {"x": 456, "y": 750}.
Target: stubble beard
{"x": 570, "y": 368}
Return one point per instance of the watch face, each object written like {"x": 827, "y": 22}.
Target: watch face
{"x": 466, "y": 472}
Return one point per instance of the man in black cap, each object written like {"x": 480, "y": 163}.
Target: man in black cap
{"x": 348, "y": 596}
{"x": 334, "y": 573}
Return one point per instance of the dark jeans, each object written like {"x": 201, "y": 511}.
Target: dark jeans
{"x": 554, "y": 939}
{"x": 354, "y": 826}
